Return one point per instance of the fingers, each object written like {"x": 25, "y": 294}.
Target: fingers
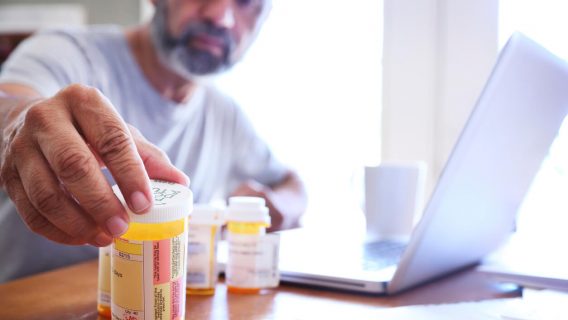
{"x": 109, "y": 137}
{"x": 50, "y": 200}
{"x": 51, "y": 167}
{"x": 45, "y": 205}
{"x": 74, "y": 165}
{"x": 33, "y": 219}
{"x": 156, "y": 161}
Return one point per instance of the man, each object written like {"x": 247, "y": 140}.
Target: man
{"x": 75, "y": 101}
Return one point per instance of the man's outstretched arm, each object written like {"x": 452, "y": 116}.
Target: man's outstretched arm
{"x": 51, "y": 153}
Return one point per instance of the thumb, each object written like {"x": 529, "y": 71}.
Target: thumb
{"x": 156, "y": 161}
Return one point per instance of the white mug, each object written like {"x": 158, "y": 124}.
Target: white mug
{"x": 394, "y": 197}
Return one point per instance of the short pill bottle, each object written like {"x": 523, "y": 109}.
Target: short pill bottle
{"x": 149, "y": 261}
{"x": 203, "y": 236}
{"x": 103, "y": 297}
{"x": 247, "y": 220}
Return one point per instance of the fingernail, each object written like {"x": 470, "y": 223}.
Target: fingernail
{"x": 139, "y": 203}
{"x": 116, "y": 226}
{"x": 103, "y": 240}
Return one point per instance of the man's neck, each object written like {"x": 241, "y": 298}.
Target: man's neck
{"x": 166, "y": 82}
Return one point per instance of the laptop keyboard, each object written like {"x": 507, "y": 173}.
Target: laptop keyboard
{"x": 381, "y": 254}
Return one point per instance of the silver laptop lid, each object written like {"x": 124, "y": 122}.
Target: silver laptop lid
{"x": 502, "y": 146}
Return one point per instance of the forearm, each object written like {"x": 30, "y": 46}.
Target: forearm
{"x": 14, "y": 101}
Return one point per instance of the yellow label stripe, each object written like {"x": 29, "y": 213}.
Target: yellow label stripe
{"x": 246, "y": 227}
{"x": 126, "y": 247}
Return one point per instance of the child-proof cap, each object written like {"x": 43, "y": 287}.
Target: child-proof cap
{"x": 172, "y": 202}
{"x": 209, "y": 214}
{"x": 247, "y": 209}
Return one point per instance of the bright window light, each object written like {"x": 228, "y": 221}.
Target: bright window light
{"x": 545, "y": 209}
{"x": 311, "y": 84}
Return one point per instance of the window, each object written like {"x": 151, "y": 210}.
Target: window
{"x": 311, "y": 84}
{"x": 545, "y": 209}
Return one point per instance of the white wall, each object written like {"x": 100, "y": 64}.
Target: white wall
{"x": 437, "y": 56}
{"x": 122, "y": 12}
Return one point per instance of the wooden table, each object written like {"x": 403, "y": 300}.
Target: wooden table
{"x": 70, "y": 293}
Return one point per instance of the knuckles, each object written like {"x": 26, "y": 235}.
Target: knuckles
{"x": 45, "y": 199}
{"x": 39, "y": 118}
{"x": 37, "y": 224}
{"x": 73, "y": 164}
{"x": 80, "y": 95}
{"x": 114, "y": 142}
{"x": 97, "y": 204}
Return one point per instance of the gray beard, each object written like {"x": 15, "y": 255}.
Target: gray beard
{"x": 188, "y": 62}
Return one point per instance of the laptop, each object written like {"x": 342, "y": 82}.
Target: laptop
{"x": 473, "y": 207}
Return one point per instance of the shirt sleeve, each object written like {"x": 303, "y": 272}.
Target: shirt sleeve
{"x": 253, "y": 157}
{"x": 47, "y": 62}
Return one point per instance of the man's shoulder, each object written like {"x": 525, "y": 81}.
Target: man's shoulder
{"x": 83, "y": 36}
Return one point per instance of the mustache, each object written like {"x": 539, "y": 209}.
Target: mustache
{"x": 204, "y": 28}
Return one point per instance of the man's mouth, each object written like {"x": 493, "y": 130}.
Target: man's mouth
{"x": 212, "y": 44}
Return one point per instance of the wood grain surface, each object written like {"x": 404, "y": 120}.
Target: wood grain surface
{"x": 71, "y": 293}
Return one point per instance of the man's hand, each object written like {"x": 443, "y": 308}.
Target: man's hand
{"x": 286, "y": 201}
{"x": 50, "y": 166}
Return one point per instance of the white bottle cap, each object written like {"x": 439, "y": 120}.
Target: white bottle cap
{"x": 208, "y": 214}
{"x": 172, "y": 202}
{"x": 247, "y": 209}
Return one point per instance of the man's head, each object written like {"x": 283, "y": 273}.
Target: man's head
{"x": 202, "y": 37}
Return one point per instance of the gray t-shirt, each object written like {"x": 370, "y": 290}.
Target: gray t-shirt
{"x": 209, "y": 137}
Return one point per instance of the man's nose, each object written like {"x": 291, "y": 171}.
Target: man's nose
{"x": 219, "y": 12}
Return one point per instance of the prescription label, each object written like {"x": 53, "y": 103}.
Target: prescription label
{"x": 148, "y": 278}
{"x": 253, "y": 261}
{"x": 202, "y": 256}
{"x": 104, "y": 277}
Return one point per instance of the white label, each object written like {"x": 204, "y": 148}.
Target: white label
{"x": 253, "y": 261}
{"x": 104, "y": 276}
{"x": 148, "y": 279}
{"x": 202, "y": 256}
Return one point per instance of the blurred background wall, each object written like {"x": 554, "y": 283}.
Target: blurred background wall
{"x": 123, "y": 12}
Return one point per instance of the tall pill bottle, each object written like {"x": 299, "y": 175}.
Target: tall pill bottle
{"x": 103, "y": 297}
{"x": 203, "y": 236}
{"x": 247, "y": 220}
{"x": 148, "y": 262}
